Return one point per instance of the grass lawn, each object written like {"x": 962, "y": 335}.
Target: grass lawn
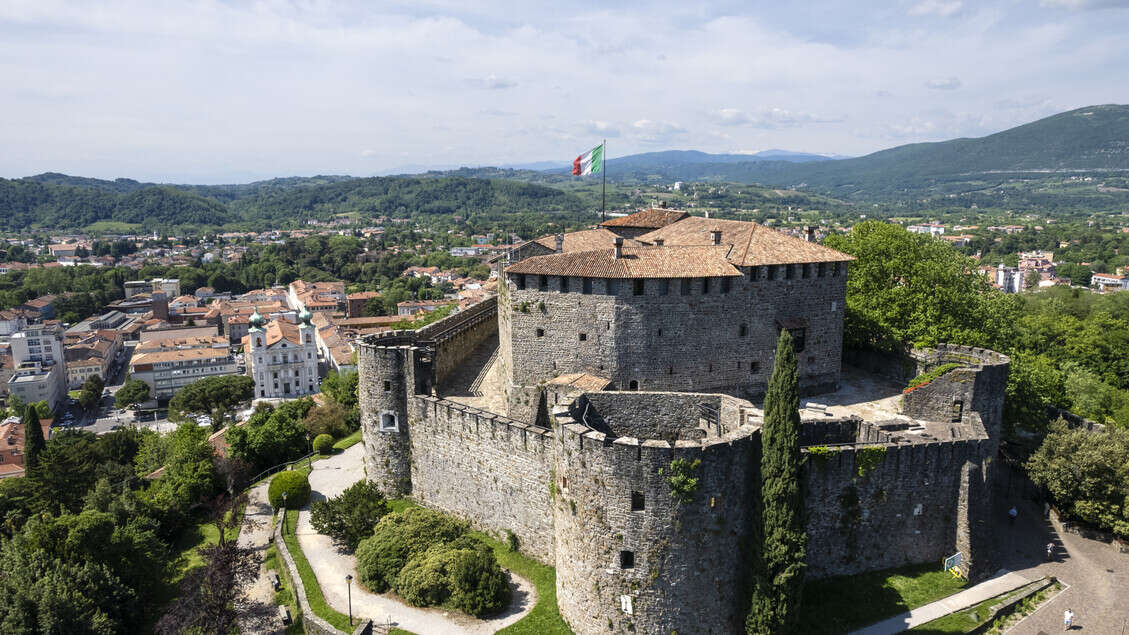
{"x": 544, "y": 618}
{"x": 313, "y": 590}
{"x": 348, "y": 442}
{"x": 113, "y": 227}
{"x": 973, "y": 616}
{"x": 838, "y": 605}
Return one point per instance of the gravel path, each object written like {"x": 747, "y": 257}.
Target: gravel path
{"x": 330, "y": 563}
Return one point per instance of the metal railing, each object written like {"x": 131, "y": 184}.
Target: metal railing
{"x": 278, "y": 468}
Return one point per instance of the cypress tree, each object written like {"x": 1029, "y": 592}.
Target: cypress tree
{"x": 34, "y": 444}
{"x": 779, "y": 578}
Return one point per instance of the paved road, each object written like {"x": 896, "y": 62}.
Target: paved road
{"x": 329, "y": 478}
{"x": 1098, "y": 576}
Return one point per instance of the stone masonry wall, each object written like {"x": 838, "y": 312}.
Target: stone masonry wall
{"x": 485, "y": 468}
{"x": 385, "y": 376}
{"x": 683, "y": 573}
{"x": 459, "y": 335}
{"x": 665, "y": 340}
{"x": 878, "y": 508}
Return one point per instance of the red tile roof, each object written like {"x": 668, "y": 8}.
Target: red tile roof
{"x": 636, "y": 262}
{"x": 652, "y": 218}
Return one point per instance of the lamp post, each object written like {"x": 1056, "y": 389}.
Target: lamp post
{"x": 349, "y": 586}
{"x": 284, "y": 512}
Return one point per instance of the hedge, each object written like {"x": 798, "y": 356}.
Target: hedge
{"x": 294, "y": 484}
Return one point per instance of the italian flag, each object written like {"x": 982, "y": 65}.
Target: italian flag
{"x": 591, "y": 162}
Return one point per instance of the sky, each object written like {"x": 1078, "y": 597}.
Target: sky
{"x": 229, "y": 91}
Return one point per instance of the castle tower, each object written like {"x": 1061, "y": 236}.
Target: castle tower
{"x": 384, "y": 417}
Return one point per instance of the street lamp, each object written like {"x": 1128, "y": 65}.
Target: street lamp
{"x": 349, "y": 586}
{"x": 284, "y": 512}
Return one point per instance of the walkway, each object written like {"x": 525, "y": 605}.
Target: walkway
{"x": 255, "y": 534}
{"x": 1002, "y": 582}
{"x": 478, "y": 381}
{"x": 1097, "y": 575}
{"x": 330, "y": 563}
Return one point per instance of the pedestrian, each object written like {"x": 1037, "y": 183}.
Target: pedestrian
{"x": 1050, "y": 550}
{"x": 1046, "y": 510}
{"x": 1067, "y": 620}
{"x": 1012, "y": 513}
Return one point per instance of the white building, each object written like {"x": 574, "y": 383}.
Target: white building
{"x": 1009, "y": 279}
{"x": 1109, "y": 282}
{"x": 282, "y": 358}
{"x": 36, "y": 381}
{"x": 935, "y": 229}
{"x": 168, "y": 371}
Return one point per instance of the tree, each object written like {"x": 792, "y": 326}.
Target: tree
{"x": 1087, "y": 474}
{"x": 351, "y": 516}
{"x": 779, "y": 579}
{"x": 211, "y": 595}
{"x": 133, "y": 392}
{"x": 329, "y": 419}
{"x": 1032, "y": 279}
{"x": 212, "y": 395}
{"x": 272, "y": 435}
{"x": 91, "y": 392}
{"x": 34, "y": 443}
{"x": 341, "y": 387}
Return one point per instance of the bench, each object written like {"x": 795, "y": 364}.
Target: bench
{"x": 275, "y": 581}
{"x": 284, "y": 614}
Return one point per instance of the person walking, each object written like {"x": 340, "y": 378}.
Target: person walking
{"x": 1050, "y": 550}
{"x": 1012, "y": 513}
{"x": 1067, "y": 620}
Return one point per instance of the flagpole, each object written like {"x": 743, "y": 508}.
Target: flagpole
{"x": 604, "y": 190}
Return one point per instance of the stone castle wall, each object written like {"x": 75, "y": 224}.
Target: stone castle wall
{"x": 454, "y": 338}
{"x": 884, "y": 505}
{"x": 485, "y": 468}
{"x": 704, "y": 340}
{"x": 612, "y": 497}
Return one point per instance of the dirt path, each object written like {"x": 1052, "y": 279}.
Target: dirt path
{"x": 329, "y": 478}
{"x": 255, "y": 534}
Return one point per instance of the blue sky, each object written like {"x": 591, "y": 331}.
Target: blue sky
{"x": 231, "y": 91}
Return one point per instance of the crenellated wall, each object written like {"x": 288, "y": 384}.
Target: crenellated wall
{"x": 613, "y": 497}
{"x": 486, "y": 468}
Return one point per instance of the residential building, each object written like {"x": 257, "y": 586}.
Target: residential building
{"x": 282, "y": 357}
{"x": 12, "y": 321}
{"x": 317, "y": 296}
{"x": 41, "y": 308}
{"x": 1104, "y": 282}
{"x": 1009, "y": 279}
{"x": 168, "y": 371}
{"x": 34, "y": 381}
{"x": 12, "y": 445}
{"x": 933, "y": 229}
{"x": 169, "y": 286}
{"x": 355, "y": 302}
{"x": 411, "y": 307}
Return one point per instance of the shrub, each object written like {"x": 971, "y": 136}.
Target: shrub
{"x": 350, "y": 517}
{"x": 294, "y": 484}
{"x": 463, "y": 574}
{"x": 323, "y": 444}
{"x": 398, "y": 537}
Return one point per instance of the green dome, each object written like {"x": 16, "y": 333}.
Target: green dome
{"x": 305, "y": 316}
{"x": 256, "y": 321}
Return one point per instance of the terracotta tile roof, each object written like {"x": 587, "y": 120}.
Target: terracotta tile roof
{"x": 276, "y": 331}
{"x": 707, "y": 261}
{"x": 583, "y": 240}
{"x": 753, "y": 244}
{"x": 653, "y": 218}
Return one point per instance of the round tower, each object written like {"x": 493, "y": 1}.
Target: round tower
{"x": 651, "y": 517}
{"x": 383, "y": 384}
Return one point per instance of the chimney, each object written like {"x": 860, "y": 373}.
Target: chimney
{"x": 560, "y": 243}
{"x": 809, "y": 234}
{"x": 659, "y": 242}
{"x": 662, "y": 205}
{"x": 707, "y": 214}
{"x": 716, "y": 236}
{"x": 618, "y": 247}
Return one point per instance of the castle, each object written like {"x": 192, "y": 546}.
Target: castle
{"x": 614, "y": 358}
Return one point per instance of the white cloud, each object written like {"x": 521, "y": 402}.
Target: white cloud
{"x": 943, "y": 8}
{"x": 656, "y": 131}
{"x": 769, "y": 118}
{"x": 943, "y": 83}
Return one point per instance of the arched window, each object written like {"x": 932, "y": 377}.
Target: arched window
{"x": 388, "y": 422}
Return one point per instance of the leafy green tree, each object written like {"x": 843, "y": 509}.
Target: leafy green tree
{"x": 779, "y": 579}
{"x": 212, "y": 395}
{"x": 133, "y": 392}
{"x": 91, "y": 392}
{"x": 1032, "y": 280}
{"x": 330, "y": 419}
{"x": 272, "y": 435}
{"x": 351, "y": 516}
{"x": 1086, "y": 473}
{"x": 398, "y": 537}
{"x": 34, "y": 443}
{"x": 341, "y": 387}
{"x": 909, "y": 288}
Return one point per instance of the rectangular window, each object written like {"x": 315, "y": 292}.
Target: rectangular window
{"x": 788, "y": 272}
{"x": 958, "y": 410}
{"x": 543, "y": 283}
{"x": 805, "y": 270}
{"x": 612, "y": 285}
{"x": 725, "y": 285}
{"x": 540, "y": 332}
{"x": 798, "y": 337}
{"x": 637, "y": 501}
{"x": 387, "y": 386}
{"x": 834, "y": 268}
{"x": 685, "y": 286}
{"x": 564, "y": 284}
{"x": 664, "y": 286}
{"x": 586, "y": 286}
{"x": 583, "y": 337}
{"x": 388, "y": 422}
{"x": 627, "y": 560}
{"x": 638, "y": 287}
{"x": 754, "y": 367}
{"x": 821, "y": 270}
{"x": 705, "y": 286}
{"x": 519, "y": 281}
